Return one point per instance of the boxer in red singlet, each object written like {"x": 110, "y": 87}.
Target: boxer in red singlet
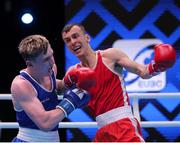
{"x": 109, "y": 100}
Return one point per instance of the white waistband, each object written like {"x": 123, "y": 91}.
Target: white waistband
{"x": 114, "y": 115}
{"x": 33, "y": 135}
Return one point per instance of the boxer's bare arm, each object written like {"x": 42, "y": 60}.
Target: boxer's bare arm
{"x": 117, "y": 56}
{"x": 59, "y": 83}
{"x": 165, "y": 57}
{"x": 25, "y": 96}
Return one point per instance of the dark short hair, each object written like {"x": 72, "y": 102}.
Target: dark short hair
{"x": 69, "y": 26}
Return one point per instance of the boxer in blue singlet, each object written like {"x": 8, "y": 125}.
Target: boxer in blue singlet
{"x": 34, "y": 97}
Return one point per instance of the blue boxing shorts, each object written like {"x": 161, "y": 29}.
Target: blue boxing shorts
{"x": 17, "y": 140}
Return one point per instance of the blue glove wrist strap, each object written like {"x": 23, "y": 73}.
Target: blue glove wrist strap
{"x": 66, "y": 106}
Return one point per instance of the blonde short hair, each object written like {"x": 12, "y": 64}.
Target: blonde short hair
{"x": 32, "y": 46}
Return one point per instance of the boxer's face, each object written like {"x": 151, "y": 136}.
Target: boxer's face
{"x": 44, "y": 62}
{"x": 76, "y": 40}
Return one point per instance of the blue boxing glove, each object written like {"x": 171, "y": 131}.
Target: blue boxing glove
{"x": 73, "y": 98}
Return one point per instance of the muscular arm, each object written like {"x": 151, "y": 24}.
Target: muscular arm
{"x": 59, "y": 83}
{"x": 164, "y": 58}
{"x": 25, "y": 96}
{"x": 119, "y": 57}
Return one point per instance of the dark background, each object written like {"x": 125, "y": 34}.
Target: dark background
{"x": 48, "y": 21}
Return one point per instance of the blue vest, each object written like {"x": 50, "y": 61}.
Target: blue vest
{"x": 48, "y": 99}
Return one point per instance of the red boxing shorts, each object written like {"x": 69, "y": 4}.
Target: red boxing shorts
{"x": 120, "y": 131}
{"x": 118, "y": 125}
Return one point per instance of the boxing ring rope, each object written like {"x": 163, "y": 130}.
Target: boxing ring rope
{"x": 135, "y": 98}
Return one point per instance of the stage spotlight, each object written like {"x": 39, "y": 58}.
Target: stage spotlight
{"x": 27, "y": 18}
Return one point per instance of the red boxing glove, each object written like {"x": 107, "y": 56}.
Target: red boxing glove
{"x": 164, "y": 58}
{"x": 82, "y": 77}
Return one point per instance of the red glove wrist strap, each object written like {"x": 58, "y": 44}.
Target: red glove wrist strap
{"x": 151, "y": 69}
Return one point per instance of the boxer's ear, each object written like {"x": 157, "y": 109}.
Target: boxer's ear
{"x": 28, "y": 63}
{"x": 88, "y": 37}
